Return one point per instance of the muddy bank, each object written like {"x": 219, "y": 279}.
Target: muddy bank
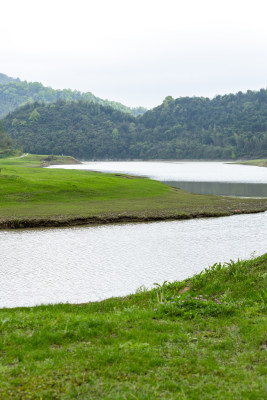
{"x": 105, "y": 219}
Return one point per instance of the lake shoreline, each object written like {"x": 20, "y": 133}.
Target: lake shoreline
{"x": 36, "y": 197}
{"x": 114, "y": 219}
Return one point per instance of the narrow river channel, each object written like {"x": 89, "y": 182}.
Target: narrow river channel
{"x": 91, "y": 263}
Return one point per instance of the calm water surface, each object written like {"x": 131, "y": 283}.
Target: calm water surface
{"x": 92, "y": 263}
{"x": 197, "y": 177}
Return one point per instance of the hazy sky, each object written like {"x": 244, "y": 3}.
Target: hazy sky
{"x": 137, "y": 52}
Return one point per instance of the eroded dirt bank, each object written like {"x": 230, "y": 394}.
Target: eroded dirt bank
{"x": 13, "y": 223}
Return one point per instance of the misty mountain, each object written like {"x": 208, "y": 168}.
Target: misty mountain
{"x": 5, "y": 79}
{"x": 14, "y": 93}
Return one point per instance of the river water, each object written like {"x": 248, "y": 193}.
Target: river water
{"x": 92, "y": 263}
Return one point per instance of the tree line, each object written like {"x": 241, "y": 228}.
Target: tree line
{"x": 5, "y": 142}
{"x": 225, "y": 127}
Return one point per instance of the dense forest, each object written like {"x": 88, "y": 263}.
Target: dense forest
{"x": 225, "y": 127}
{"x": 5, "y": 142}
{"x": 14, "y": 93}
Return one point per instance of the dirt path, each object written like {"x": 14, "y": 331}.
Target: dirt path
{"x": 23, "y": 155}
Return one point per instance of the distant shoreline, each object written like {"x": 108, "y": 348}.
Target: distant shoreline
{"x": 253, "y": 163}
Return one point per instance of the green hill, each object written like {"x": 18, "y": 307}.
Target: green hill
{"x": 14, "y": 93}
{"x": 84, "y": 129}
{"x": 6, "y": 79}
{"x": 5, "y": 142}
{"x": 226, "y": 127}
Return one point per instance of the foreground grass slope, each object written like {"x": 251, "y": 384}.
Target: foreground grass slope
{"x": 203, "y": 338}
{"x": 34, "y": 196}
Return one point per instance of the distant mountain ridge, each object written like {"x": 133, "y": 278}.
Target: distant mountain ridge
{"x": 5, "y": 79}
{"x": 226, "y": 127}
{"x": 14, "y": 93}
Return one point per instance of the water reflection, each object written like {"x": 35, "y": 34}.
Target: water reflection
{"x": 222, "y": 188}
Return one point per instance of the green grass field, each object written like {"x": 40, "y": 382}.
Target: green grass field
{"x": 35, "y": 196}
{"x": 203, "y": 338}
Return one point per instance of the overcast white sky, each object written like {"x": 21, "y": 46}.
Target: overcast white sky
{"x": 137, "y": 52}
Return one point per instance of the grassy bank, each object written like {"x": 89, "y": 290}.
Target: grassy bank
{"x": 203, "y": 338}
{"x": 32, "y": 196}
{"x": 256, "y": 163}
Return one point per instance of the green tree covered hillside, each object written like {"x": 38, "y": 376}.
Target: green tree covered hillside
{"x": 230, "y": 126}
{"x": 14, "y": 93}
{"x": 5, "y": 142}
{"x": 227, "y": 126}
{"x": 87, "y": 130}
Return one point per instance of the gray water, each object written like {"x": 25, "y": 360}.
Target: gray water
{"x": 216, "y": 178}
{"x": 92, "y": 263}
{"x": 223, "y": 188}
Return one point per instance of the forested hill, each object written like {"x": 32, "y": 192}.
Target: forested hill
{"x": 230, "y": 126}
{"x": 5, "y": 79}
{"x": 14, "y": 93}
{"x": 86, "y": 130}
{"x": 197, "y": 127}
{"x": 5, "y": 143}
